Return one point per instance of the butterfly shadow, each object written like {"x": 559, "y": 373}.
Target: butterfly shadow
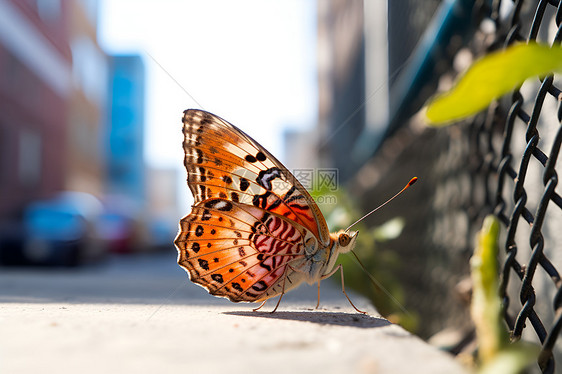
{"x": 320, "y": 317}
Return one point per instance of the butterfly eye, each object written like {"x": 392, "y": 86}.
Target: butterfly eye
{"x": 344, "y": 240}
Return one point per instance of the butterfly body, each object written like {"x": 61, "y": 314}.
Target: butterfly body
{"x": 254, "y": 232}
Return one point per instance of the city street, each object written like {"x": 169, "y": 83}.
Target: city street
{"x": 140, "y": 314}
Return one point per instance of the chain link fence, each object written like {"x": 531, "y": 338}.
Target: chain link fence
{"x": 520, "y": 168}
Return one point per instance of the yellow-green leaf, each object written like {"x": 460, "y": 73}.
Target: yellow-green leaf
{"x": 496, "y": 353}
{"x": 491, "y": 77}
{"x": 486, "y": 307}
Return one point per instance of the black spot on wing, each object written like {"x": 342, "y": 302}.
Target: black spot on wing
{"x": 204, "y": 264}
{"x": 250, "y": 158}
{"x": 244, "y": 184}
{"x": 259, "y": 286}
{"x": 199, "y": 156}
{"x": 206, "y": 215}
{"x": 202, "y": 174}
{"x": 218, "y": 204}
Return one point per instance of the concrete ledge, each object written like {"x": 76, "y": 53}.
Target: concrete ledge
{"x": 145, "y": 318}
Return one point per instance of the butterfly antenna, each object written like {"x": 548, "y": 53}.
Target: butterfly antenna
{"x": 412, "y": 181}
{"x": 379, "y": 286}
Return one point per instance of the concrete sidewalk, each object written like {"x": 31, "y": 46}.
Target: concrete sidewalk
{"x": 140, "y": 314}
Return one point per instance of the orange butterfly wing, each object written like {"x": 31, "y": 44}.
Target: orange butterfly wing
{"x": 223, "y": 162}
{"x": 250, "y": 216}
{"x": 237, "y": 251}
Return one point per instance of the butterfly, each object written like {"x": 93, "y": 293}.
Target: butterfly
{"x": 254, "y": 232}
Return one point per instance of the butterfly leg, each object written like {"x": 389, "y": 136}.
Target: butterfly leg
{"x": 259, "y": 307}
{"x": 282, "y": 292}
{"x": 340, "y": 268}
{"x": 318, "y": 302}
{"x": 282, "y": 288}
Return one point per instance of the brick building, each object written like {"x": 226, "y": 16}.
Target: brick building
{"x": 35, "y": 82}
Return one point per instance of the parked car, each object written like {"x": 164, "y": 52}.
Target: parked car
{"x": 119, "y": 225}
{"x": 58, "y": 232}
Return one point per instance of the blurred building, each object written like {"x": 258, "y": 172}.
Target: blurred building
{"x": 52, "y": 110}
{"x": 363, "y": 48}
{"x": 71, "y": 118}
{"x": 124, "y": 140}
{"x": 35, "y": 85}
{"x": 87, "y": 120}
{"x": 341, "y": 81}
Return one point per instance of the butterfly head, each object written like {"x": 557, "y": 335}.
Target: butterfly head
{"x": 345, "y": 240}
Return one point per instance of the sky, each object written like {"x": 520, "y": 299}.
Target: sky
{"x": 252, "y": 63}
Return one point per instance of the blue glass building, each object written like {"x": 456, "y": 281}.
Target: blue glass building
{"x": 125, "y": 136}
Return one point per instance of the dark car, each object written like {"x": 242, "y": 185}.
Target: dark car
{"x": 57, "y": 232}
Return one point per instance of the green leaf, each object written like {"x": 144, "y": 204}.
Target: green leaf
{"x": 491, "y": 77}
{"x": 486, "y": 307}
{"x": 496, "y": 353}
